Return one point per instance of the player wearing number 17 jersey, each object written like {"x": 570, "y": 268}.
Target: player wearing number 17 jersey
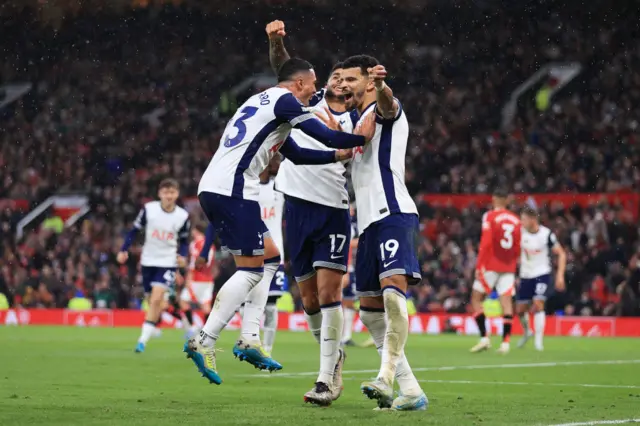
{"x": 496, "y": 267}
{"x": 229, "y": 194}
{"x": 318, "y": 229}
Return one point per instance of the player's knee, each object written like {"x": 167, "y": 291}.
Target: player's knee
{"x": 249, "y": 261}
{"x": 372, "y": 303}
{"x": 310, "y": 302}
{"x": 400, "y": 282}
{"x": 538, "y": 305}
{"x": 329, "y": 286}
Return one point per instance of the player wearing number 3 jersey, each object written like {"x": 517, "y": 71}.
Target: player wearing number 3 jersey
{"x": 496, "y": 267}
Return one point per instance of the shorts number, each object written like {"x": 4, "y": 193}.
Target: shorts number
{"x": 541, "y": 288}
{"x": 247, "y": 113}
{"x": 391, "y": 246}
{"x": 507, "y": 239}
{"x": 280, "y": 278}
{"x": 334, "y": 238}
{"x": 169, "y": 277}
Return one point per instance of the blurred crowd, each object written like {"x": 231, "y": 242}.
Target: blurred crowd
{"x": 120, "y": 101}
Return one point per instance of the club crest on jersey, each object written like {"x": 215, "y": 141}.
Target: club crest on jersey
{"x": 162, "y": 235}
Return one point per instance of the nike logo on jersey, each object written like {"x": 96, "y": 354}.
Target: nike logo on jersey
{"x": 342, "y": 121}
{"x": 336, "y": 257}
{"x": 386, "y": 265}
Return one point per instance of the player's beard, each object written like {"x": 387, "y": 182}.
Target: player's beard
{"x": 333, "y": 96}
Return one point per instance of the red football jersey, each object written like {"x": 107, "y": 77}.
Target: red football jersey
{"x": 204, "y": 274}
{"x": 500, "y": 242}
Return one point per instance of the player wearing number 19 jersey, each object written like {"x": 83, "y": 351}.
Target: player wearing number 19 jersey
{"x": 229, "y": 194}
{"x": 496, "y": 267}
{"x": 386, "y": 258}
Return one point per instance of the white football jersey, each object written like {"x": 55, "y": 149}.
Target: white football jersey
{"x": 253, "y": 135}
{"x": 324, "y": 184}
{"x": 271, "y": 207}
{"x": 536, "y": 248}
{"x": 377, "y": 171}
{"x": 163, "y": 233}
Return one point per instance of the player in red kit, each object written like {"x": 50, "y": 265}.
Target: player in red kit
{"x": 198, "y": 289}
{"x": 496, "y": 267}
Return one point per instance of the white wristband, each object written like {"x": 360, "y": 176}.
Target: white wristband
{"x": 384, "y": 86}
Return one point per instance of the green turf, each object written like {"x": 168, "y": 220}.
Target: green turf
{"x": 85, "y": 376}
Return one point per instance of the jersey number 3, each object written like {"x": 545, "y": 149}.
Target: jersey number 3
{"x": 507, "y": 237}
{"x": 246, "y": 113}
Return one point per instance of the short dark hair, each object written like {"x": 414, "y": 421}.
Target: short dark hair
{"x": 500, "y": 192}
{"x": 336, "y": 66}
{"x": 169, "y": 183}
{"x": 291, "y": 67}
{"x": 364, "y": 62}
{"x": 530, "y": 211}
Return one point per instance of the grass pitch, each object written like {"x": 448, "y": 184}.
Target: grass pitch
{"x": 91, "y": 376}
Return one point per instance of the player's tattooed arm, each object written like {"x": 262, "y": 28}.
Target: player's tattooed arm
{"x": 278, "y": 54}
{"x": 387, "y": 106}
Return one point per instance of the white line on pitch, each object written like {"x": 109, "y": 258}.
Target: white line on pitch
{"x": 463, "y": 367}
{"x": 580, "y": 385}
{"x": 600, "y": 422}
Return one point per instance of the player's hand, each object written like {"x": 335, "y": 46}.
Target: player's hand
{"x": 478, "y": 275}
{"x": 329, "y": 120}
{"x": 560, "y": 284}
{"x": 377, "y": 74}
{"x": 122, "y": 257}
{"x": 201, "y": 262}
{"x": 182, "y": 261}
{"x": 344, "y": 154}
{"x": 275, "y": 29}
{"x": 367, "y": 127}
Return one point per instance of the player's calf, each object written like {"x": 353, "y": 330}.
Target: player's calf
{"x": 507, "y": 320}
{"x": 156, "y": 300}
{"x": 539, "y": 323}
{"x": 477, "y": 298}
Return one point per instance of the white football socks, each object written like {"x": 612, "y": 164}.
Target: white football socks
{"x": 539, "y": 321}
{"x": 395, "y": 306}
{"x": 270, "y": 326}
{"x": 148, "y": 329}
{"x": 376, "y": 324}
{"x": 228, "y": 300}
{"x": 255, "y": 302}
{"x": 347, "y": 331}
{"x": 330, "y": 333}
{"x": 314, "y": 321}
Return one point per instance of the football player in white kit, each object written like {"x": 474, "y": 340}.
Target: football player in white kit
{"x": 386, "y": 260}
{"x": 166, "y": 243}
{"x": 318, "y": 227}
{"x": 272, "y": 207}
{"x": 538, "y": 243}
{"x": 229, "y": 193}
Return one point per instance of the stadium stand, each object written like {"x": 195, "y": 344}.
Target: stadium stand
{"x": 117, "y": 102}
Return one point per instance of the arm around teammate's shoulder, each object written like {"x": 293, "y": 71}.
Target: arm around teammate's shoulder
{"x": 289, "y": 109}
